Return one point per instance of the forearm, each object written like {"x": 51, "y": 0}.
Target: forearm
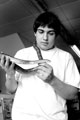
{"x": 11, "y": 83}
{"x": 66, "y": 91}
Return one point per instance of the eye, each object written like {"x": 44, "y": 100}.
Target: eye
{"x": 40, "y": 31}
{"x": 51, "y": 33}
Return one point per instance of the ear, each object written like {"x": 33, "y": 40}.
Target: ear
{"x": 34, "y": 34}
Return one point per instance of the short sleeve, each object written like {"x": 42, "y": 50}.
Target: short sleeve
{"x": 72, "y": 75}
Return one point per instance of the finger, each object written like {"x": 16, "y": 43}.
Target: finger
{"x": 40, "y": 72}
{"x": 43, "y": 68}
{"x": 7, "y": 63}
{"x": 3, "y": 60}
{"x": 12, "y": 66}
{"x": 40, "y": 75}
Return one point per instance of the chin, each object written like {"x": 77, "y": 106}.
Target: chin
{"x": 44, "y": 48}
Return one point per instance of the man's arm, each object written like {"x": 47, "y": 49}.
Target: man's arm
{"x": 11, "y": 84}
{"x": 8, "y": 67}
{"x": 66, "y": 91}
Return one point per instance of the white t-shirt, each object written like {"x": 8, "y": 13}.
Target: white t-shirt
{"x": 36, "y": 99}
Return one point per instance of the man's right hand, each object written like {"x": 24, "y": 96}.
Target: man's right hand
{"x": 7, "y": 65}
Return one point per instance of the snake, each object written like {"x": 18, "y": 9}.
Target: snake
{"x": 20, "y": 61}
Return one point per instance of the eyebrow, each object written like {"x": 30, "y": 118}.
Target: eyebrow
{"x": 48, "y": 31}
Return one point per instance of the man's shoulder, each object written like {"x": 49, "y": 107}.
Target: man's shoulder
{"x": 63, "y": 53}
{"x": 28, "y": 49}
{"x": 24, "y": 51}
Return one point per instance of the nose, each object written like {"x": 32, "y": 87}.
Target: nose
{"x": 45, "y": 36}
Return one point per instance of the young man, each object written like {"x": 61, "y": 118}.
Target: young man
{"x": 42, "y": 94}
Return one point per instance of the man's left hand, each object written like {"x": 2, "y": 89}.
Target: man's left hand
{"x": 45, "y": 72}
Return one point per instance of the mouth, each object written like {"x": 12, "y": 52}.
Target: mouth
{"x": 44, "y": 43}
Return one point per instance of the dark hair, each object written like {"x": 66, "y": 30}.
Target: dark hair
{"x": 52, "y": 21}
{"x": 47, "y": 19}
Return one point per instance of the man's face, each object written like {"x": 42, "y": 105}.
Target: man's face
{"x": 45, "y": 37}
